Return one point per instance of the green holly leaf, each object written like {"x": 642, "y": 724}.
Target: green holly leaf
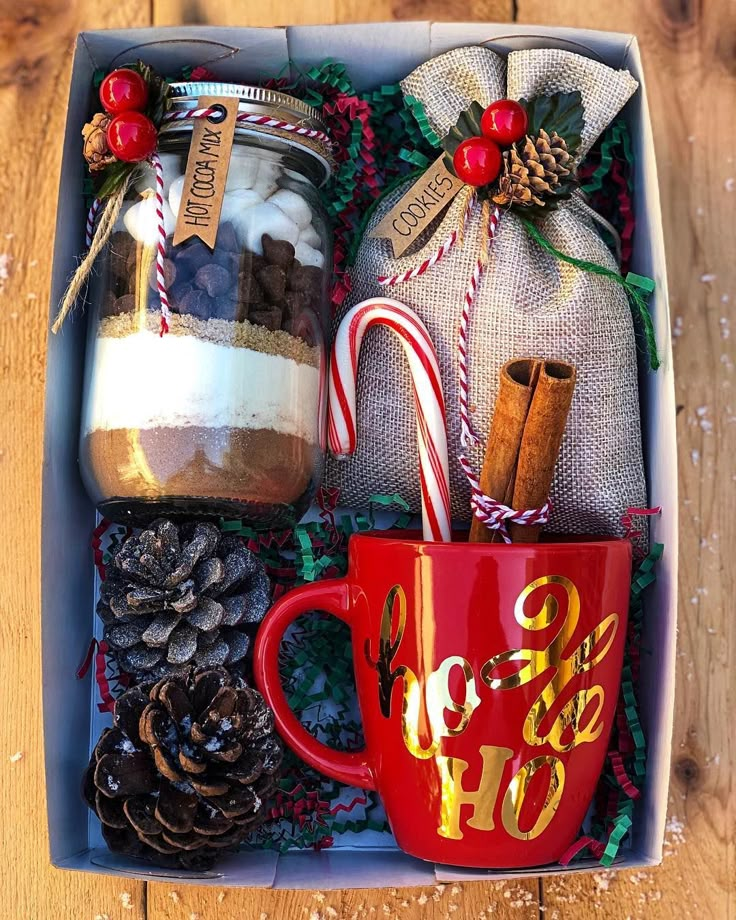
{"x": 159, "y": 100}
{"x": 113, "y": 177}
{"x": 562, "y": 113}
{"x": 466, "y": 126}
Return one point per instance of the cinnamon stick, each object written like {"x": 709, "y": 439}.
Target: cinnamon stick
{"x": 540, "y": 444}
{"x": 516, "y": 388}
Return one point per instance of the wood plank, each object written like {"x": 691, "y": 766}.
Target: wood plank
{"x": 689, "y": 68}
{"x": 433, "y": 10}
{"x": 229, "y": 13}
{"x": 35, "y": 43}
{"x": 276, "y": 12}
{"x": 497, "y": 900}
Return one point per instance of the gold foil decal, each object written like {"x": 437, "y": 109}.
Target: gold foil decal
{"x": 482, "y": 800}
{"x": 566, "y": 667}
{"x": 437, "y": 692}
{"x": 562, "y": 726}
{"x": 513, "y": 801}
{"x": 387, "y": 649}
{"x": 437, "y": 700}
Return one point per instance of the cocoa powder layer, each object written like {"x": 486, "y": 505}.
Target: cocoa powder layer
{"x": 219, "y": 331}
{"x": 243, "y": 465}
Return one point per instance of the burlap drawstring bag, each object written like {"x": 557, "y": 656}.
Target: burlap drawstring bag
{"x": 529, "y": 304}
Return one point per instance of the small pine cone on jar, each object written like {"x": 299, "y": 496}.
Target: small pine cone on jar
{"x": 95, "y": 149}
{"x": 181, "y": 595}
{"x": 187, "y": 770}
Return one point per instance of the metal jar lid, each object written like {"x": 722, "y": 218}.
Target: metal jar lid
{"x": 258, "y": 101}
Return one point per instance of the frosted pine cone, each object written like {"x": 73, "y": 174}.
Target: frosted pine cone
{"x": 180, "y": 595}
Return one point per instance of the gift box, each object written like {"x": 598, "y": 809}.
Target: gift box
{"x": 71, "y": 719}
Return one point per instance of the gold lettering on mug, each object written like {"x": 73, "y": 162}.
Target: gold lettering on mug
{"x": 437, "y": 700}
{"x": 387, "y": 649}
{"x": 482, "y": 801}
{"x": 437, "y": 696}
{"x": 425, "y": 706}
{"x": 567, "y": 665}
{"x": 516, "y": 792}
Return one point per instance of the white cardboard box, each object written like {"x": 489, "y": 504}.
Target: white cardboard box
{"x": 375, "y": 54}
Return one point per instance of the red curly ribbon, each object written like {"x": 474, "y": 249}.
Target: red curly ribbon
{"x": 358, "y": 800}
{"x": 103, "y": 685}
{"x": 595, "y": 847}
{"x": 97, "y": 534}
{"x": 627, "y": 520}
{"x": 621, "y": 775}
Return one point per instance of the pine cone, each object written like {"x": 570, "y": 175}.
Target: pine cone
{"x": 187, "y": 769}
{"x": 536, "y": 173}
{"x": 181, "y": 595}
{"x": 95, "y": 149}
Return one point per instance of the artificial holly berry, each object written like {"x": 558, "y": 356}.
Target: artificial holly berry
{"x": 123, "y": 90}
{"x": 131, "y": 137}
{"x": 477, "y": 161}
{"x": 504, "y": 122}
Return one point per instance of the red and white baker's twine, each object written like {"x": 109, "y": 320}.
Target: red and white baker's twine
{"x": 264, "y": 120}
{"x": 429, "y": 401}
{"x": 161, "y": 247}
{"x": 89, "y": 229}
{"x": 468, "y": 437}
{"x": 437, "y": 255}
{"x": 494, "y": 514}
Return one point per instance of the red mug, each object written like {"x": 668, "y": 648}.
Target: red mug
{"x": 487, "y": 679}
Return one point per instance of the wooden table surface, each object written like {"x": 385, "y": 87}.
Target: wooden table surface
{"x": 689, "y": 52}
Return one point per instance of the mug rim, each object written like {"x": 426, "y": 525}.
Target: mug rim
{"x": 413, "y": 537}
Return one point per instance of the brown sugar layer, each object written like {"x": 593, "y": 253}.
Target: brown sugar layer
{"x": 241, "y": 334}
{"x": 244, "y": 465}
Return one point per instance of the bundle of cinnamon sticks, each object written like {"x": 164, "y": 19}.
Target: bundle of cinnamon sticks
{"x": 526, "y": 433}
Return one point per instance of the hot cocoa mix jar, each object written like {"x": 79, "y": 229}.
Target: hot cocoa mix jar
{"x": 225, "y": 413}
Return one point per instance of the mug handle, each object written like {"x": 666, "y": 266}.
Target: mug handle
{"x": 332, "y": 596}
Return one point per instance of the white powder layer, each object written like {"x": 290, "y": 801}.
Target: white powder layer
{"x": 143, "y": 381}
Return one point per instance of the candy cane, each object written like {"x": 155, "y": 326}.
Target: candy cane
{"x": 429, "y": 401}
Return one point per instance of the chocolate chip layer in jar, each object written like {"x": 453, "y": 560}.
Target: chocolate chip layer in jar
{"x": 224, "y": 414}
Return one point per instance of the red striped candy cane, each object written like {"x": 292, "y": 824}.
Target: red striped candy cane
{"x": 161, "y": 248}
{"x": 437, "y": 255}
{"x": 429, "y": 400}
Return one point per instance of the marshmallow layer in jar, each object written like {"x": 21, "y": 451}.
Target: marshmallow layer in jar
{"x": 223, "y": 415}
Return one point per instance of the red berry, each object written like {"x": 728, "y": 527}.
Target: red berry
{"x": 131, "y": 137}
{"x": 504, "y": 122}
{"x": 123, "y": 90}
{"x": 477, "y": 161}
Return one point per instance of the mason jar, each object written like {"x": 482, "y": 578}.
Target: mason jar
{"x": 224, "y": 414}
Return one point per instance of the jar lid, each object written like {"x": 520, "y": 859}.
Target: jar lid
{"x": 254, "y": 100}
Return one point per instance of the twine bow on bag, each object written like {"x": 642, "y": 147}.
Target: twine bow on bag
{"x": 491, "y": 283}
